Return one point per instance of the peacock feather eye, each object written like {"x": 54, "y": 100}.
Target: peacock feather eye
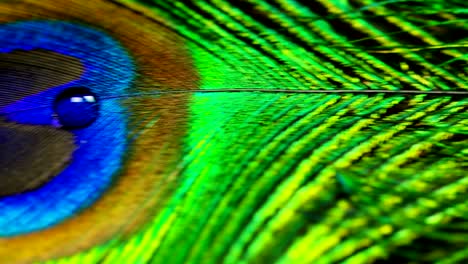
{"x": 70, "y": 156}
{"x": 53, "y": 42}
{"x": 285, "y": 131}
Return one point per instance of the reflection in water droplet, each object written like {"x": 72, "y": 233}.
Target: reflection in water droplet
{"x": 76, "y": 107}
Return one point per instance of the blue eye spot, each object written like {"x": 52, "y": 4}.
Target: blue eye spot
{"x": 76, "y": 107}
{"x": 104, "y": 69}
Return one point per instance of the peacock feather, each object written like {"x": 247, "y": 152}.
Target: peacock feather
{"x": 283, "y": 131}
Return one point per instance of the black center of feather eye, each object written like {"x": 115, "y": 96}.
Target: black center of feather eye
{"x": 31, "y": 155}
{"x": 25, "y": 73}
{"x": 76, "y": 107}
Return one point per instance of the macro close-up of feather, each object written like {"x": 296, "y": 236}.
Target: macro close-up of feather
{"x": 222, "y": 131}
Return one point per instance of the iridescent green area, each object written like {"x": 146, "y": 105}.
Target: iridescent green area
{"x": 312, "y": 178}
{"x": 324, "y": 44}
{"x": 316, "y": 178}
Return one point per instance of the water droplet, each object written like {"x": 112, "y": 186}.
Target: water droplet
{"x": 76, "y": 107}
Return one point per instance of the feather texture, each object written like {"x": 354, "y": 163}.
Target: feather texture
{"x": 243, "y": 131}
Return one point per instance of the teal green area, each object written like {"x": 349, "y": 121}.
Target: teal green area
{"x": 394, "y": 45}
{"x": 269, "y": 177}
